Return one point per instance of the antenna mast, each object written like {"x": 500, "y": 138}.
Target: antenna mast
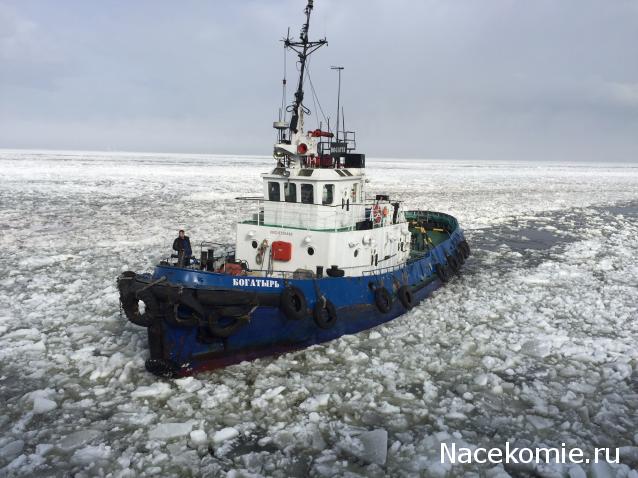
{"x": 303, "y": 48}
{"x": 338, "y": 68}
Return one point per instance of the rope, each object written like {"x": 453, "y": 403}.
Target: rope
{"x": 161, "y": 279}
{"x": 314, "y": 95}
{"x": 314, "y": 102}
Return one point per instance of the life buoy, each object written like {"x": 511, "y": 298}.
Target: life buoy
{"x": 232, "y": 324}
{"x": 442, "y": 272}
{"x": 293, "y": 303}
{"x": 325, "y": 313}
{"x": 405, "y": 296}
{"x": 376, "y": 214}
{"x": 383, "y": 299}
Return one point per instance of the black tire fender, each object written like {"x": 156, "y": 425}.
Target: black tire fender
{"x": 131, "y": 307}
{"x": 161, "y": 367}
{"x": 213, "y": 320}
{"x": 382, "y": 299}
{"x": 405, "y": 296}
{"x": 460, "y": 257}
{"x": 130, "y": 297}
{"x": 325, "y": 313}
{"x": 125, "y": 278}
{"x": 453, "y": 264}
{"x": 442, "y": 272}
{"x": 465, "y": 248}
{"x": 173, "y": 317}
{"x": 293, "y": 303}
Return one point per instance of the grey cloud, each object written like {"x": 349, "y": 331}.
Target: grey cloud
{"x": 499, "y": 79}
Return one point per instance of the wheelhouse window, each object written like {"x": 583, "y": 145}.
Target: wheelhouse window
{"x": 328, "y": 194}
{"x": 290, "y": 192}
{"x": 273, "y": 191}
{"x": 307, "y": 196}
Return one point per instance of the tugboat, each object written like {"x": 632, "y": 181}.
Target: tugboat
{"x": 318, "y": 258}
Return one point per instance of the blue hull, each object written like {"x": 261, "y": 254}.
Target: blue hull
{"x": 269, "y": 331}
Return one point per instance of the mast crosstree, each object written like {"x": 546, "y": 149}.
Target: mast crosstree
{"x": 304, "y": 48}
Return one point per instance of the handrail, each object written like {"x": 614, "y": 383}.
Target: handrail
{"x": 211, "y": 243}
{"x": 366, "y": 203}
{"x": 321, "y": 217}
{"x": 364, "y": 271}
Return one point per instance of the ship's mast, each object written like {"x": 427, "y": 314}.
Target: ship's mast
{"x": 303, "y": 48}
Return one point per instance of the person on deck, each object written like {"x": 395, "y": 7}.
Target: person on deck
{"x": 182, "y": 244}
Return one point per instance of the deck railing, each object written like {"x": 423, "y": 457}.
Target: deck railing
{"x": 319, "y": 217}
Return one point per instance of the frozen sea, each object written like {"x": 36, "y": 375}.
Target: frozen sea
{"x": 534, "y": 344}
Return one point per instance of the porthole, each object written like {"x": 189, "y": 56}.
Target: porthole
{"x": 311, "y": 251}
{"x": 255, "y": 244}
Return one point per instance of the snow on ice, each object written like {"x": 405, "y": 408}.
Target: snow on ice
{"x": 535, "y": 342}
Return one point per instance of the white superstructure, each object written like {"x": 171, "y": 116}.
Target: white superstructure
{"x": 315, "y": 218}
{"x": 323, "y": 217}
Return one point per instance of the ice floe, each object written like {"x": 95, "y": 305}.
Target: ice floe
{"x": 535, "y": 341}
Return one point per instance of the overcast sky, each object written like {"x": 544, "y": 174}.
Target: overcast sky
{"x": 483, "y": 79}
